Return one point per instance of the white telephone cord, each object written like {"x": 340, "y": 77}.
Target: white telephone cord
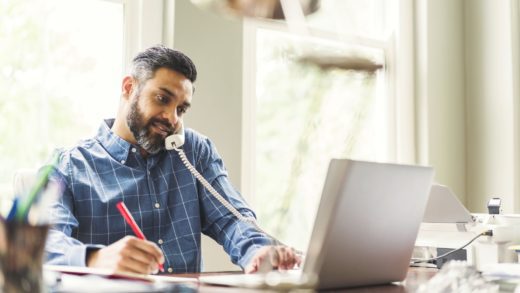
{"x": 223, "y": 201}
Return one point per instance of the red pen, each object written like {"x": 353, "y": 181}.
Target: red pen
{"x": 130, "y": 220}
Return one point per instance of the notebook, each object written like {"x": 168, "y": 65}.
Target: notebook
{"x": 83, "y": 279}
{"x": 364, "y": 232}
{"x": 110, "y": 274}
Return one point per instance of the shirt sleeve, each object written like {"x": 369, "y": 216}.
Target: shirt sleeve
{"x": 240, "y": 240}
{"x": 61, "y": 248}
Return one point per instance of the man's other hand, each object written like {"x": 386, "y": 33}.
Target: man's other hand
{"x": 130, "y": 254}
{"x": 276, "y": 257}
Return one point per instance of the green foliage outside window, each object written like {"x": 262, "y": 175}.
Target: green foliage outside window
{"x": 304, "y": 117}
{"x": 59, "y": 75}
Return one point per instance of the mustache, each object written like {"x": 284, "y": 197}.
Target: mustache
{"x": 165, "y": 123}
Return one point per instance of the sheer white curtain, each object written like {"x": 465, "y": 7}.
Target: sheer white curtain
{"x": 298, "y": 116}
{"x": 467, "y": 71}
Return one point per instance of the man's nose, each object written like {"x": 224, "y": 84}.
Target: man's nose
{"x": 172, "y": 117}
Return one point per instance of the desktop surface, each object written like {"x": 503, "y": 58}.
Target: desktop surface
{"x": 188, "y": 283}
{"x": 415, "y": 277}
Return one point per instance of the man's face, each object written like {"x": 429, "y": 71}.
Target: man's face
{"x": 156, "y": 108}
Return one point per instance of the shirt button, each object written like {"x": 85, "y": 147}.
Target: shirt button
{"x": 157, "y": 205}
{"x": 170, "y": 270}
{"x": 123, "y": 161}
{"x": 133, "y": 150}
{"x": 160, "y": 241}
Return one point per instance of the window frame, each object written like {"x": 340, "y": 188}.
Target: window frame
{"x": 399, "y": 87}
{"x": 145, "y": 23}
{"x": 137, "y": 35}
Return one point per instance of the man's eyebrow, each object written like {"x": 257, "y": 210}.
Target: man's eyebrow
{"x": 171, "y": 94}
{"x": 167, "y": 91}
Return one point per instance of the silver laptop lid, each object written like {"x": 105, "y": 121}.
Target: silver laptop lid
{"x": 444, "y": 207}
{"x": 367, "y": 223}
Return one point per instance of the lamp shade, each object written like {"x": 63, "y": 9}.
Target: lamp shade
{"x": 271, "y": 9}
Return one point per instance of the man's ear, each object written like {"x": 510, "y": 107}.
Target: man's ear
{"x": 128, "y": 86}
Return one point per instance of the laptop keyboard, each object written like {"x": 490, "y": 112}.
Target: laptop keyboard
{"x": 273, "y": 280}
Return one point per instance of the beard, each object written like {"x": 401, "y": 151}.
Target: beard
{"x": 146, "y": 138}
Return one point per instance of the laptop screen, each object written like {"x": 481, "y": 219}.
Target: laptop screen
{"x": 367, "y": 223}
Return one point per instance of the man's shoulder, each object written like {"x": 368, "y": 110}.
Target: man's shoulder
{"x": 194, "y": 137}
{"x": 79, "y": 149}
{"x": 200, "y": 145}
{"x": 71, "y": 156}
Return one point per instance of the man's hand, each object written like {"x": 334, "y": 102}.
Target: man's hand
{"x": 130, "y": 254}
{"x": 275, "y": 257}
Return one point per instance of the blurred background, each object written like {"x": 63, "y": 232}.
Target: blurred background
{"x": 438, "y": 85}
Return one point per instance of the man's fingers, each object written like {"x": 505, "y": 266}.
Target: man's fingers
{"x": 293, "y": 258}
{"x": 141, "y": 258}
{"x": 129, "y": 254}
{"x": 129, "y": 264}
{"x": 289, "y": 258}
{"x": 273, "y": 257}
{"x": 148, "y": 248}
{"x": 283, "y": 257}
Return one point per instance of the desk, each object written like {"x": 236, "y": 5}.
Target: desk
{"x": 414, "y": 278}
{"x": 95, "y": 282}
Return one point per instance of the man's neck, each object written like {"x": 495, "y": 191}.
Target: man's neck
{"x": 120, "y": 128}
{"x": 143, "y": 153}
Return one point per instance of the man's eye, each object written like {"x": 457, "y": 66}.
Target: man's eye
{"x": 181, "y": 110}
{"x": 162, "y": 99}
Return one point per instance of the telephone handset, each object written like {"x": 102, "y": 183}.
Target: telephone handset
{"x": 174, "y": 142}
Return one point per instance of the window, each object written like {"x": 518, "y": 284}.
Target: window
{"x": 60, "y": 76}
{"x": 61, "y": 65}
{"x": 299, "y": 115}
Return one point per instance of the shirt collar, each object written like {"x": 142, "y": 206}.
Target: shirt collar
{"x": 117, "y": 147}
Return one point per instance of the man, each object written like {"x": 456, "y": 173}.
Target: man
{"x": 126, "y": 161}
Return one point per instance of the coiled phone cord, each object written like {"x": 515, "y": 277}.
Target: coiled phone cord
{"x": 224, "y": 202}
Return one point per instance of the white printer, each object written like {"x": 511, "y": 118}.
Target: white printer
{"x": 448, "y": 225}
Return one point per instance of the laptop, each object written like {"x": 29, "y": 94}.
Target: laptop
{"x": 364, "y": 232}
{"x": 444, "y": 207}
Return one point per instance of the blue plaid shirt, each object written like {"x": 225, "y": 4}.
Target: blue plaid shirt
{"x": 168, "y": 204}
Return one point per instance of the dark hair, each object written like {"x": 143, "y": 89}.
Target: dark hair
{"x": 150, "y": 60}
